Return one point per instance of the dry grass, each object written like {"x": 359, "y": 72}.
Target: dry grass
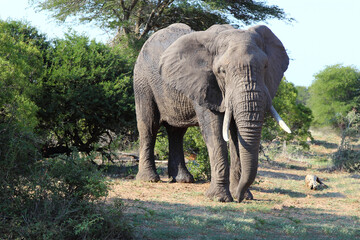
{"x": 283, "y": 207}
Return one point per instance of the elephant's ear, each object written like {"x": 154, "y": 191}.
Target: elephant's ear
{"x": 186, "y": 66}
{"x": 277, "y": 56}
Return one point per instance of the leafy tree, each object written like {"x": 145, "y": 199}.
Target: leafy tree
{"x": 334, "y": 92}
{"x": 74, "y": 92}
{"x": 21, "y": 65}
{"x": 303, "y": 95}
{"x": 296, "y": 115}
{"x": 86, "y": 95}
{"x": 139, "y": 17}
{"x": 190, "y": 13}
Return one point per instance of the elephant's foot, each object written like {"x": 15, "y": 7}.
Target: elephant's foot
{"x": 182, "y": 177}
{"x": 147, "y": 176}
{"x": 247, "y": 196}
{"x": 219, "y": 194}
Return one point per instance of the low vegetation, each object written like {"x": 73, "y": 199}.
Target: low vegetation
{"x": 283, "y": 208}
{"x": 53, "y": 198}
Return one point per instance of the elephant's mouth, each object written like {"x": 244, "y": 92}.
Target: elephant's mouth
{"x": 228, "y": 115}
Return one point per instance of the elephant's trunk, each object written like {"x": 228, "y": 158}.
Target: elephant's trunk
{"x": 249, "y": 114}
{"x": 249, "y": 142}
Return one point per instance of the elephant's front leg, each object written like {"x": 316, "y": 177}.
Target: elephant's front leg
{"x": 211, "y": 128}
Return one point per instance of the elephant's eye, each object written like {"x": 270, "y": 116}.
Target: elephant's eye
{"x": 221, "y": 70}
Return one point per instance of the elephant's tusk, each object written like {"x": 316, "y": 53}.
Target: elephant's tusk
{"x": 226, "y": 124}
{"x": 279, "y": 120}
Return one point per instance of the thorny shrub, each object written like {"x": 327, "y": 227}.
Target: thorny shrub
{"x": 56, "y": 198}
{"x": 346, "y": 158}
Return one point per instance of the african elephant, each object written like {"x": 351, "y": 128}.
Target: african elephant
{"x": 222, "y": 79}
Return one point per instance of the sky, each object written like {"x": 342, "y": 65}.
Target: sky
{"x": 325, "y": 32}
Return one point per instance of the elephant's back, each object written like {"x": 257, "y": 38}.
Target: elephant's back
{"x": 146, "y": 70}
{"x": 158, "y": 42}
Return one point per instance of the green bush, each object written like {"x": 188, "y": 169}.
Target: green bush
{"x": 295, "y": 114}
{"x": 59, "y": 198}
{"x": 86, "y": 96}
{"x": 194, "y": 145}
{"x": 56, "y": 198}
{"x": 74, "y": 92}
{"x": 162, "y": 145}
{"x": 347, "y": 160}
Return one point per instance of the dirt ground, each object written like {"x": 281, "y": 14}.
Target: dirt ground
{"x": 282, "y": 203}
{"x": 329, "y": 201}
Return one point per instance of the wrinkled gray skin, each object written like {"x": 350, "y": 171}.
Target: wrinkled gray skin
{"x": 184, "y": 78}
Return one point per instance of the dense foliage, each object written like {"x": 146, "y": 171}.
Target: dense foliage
{"x": 21, "y": 65}
{"x": 56, "y": 198}
{"x": 140, "y": 17}
{"x": 85, "y": 96}
{"x": 295, "y": 114}
{"x": 73, "y": 92}
{"x": 334, "y": 92}
{"x": 43, "y": 198}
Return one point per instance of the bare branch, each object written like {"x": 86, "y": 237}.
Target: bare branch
{"x": 157, "y": 11}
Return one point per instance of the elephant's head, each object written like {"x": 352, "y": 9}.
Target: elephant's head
{"x": 232, "y": 71}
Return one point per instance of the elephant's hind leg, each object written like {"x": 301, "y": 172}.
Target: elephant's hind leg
{"x": 148, "y": 121}
{"x": 176, "y": 165}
